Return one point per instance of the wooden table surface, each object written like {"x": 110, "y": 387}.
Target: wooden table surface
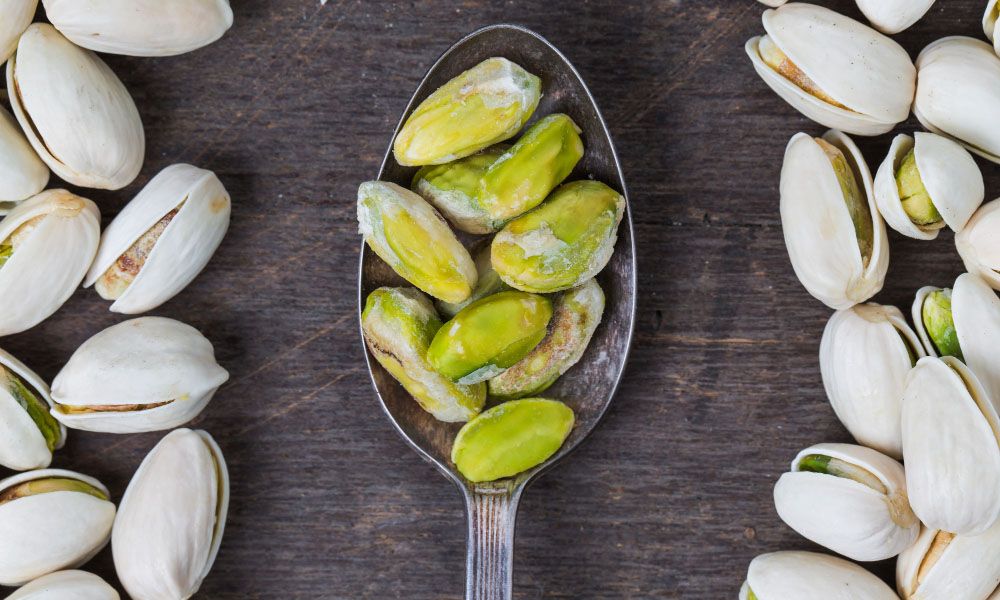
{"x": 671, "y": 496}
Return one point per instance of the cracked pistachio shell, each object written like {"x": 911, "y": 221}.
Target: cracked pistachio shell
{"x": 161, "y": 240}
{"x": 576, "y": 315}
{"x": 979, "y": 243}
{"x": 958, "y": 93}
{"x": 167, "y": 535}
{"x": 140, "y": 27}
{"x": 833, "y": 69}
{"x": 487, "y": 282}
{"x": 66, "y": 585}
{"x": 991, "y": 23}
{"x": 146, "y": 374}
{"x": 22, "y": 173}
{"x": 50, "y": 519}
{"x": 850, "y": 499}
{"x": 562, "y": 243}
{"x": 485, "y": 105}
{"x": 412, "y": 238}
{"x": 838, "y": 247}
{"x": 944, "y": 566}
{"x": 17, "y": 15}
{"x": 28, "y": 433}
{"x": 399, "y": 324}
{"x": 46, "y": 246}
{"x": 77, "y": 115}
{"x": 946, "y": 177}
{"x": 453, "y": 189}
{"x": 864, "y": 357}
{"x": 893, "y": 16}
{"x": 810, "y": 576}
{"x": 511, "y": 438}
{"x": 950, "y": 441}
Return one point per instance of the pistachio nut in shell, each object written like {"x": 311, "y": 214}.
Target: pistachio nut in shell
{"x": 161, "y": 240}
{"x": 66, "y": 585}
{"x": 140, "y": 27}
{"x": 935, "y": 322}
{"x": 17, "y": 15}
{"x": 562, "y": 243}
{"x": 864, "y": 356}
{"x": 577, "y": 313}
{"x": 76, "y": 113}
{"x": 927, "y": 182}
{"x": 22, "y": 173}
{"x": 511, "y": 438}
{"x": 991, "y": 23}
{"x": 28, "y": 433}
{"x": 399, "y": 324}
{"x": 958, "y": 93}
{"x": 835, "y": 237}
{"x": 945, "y": 566}
{"x": 810, "y": 576}
{"x": 453, "y": 189}
{"x": 482, "y": 106}
{"x": 833, "y": 69}
{"x": 979, "y": 244}
{"x": 951, "y": 445}
{"x": 488, "y": 282}
{"x": 51, "y": 519}
{"x": 412, "y": 238}
{"x": 145, "y": 374}
{"x": 893, "y": 16}
{"x": 166, "y": 535}
{"x": 46, "y": 246}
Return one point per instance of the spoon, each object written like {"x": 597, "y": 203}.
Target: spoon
{"x": 589, "y": 386}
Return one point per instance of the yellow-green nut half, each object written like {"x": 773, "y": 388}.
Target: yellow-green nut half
{"x": 914, "y": 196}
{"x": 489, "y": 336}
{"x": 487, "y": 104}
{"x": 487, "y": 283}
{"x": 412, "y": 238}
{"x": 562, "y": 243}
{"x": 577, "y": 314}
{"x": 399, "y": 324}
{"x": 453, "y": 189}
{"x": 511, "y": 438}
{"x": 939, "y": 323}
{"x": 524, "y": 175}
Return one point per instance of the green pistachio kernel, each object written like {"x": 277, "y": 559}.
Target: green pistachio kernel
{"x": 47, "y": 485}
{"x": 511, "y": 438}
{"x": 750, "y": 594}
{"x": 940, "y": 324}
{"x": 828, "y": 465}
{"x": 916, "y": 201}
{"x": 854, "y": 199}
{"x": 453, "y": 189}
{"x": 487, "y": 284}
{"x": 36, "y": 408}
{"x": 6, "y": 251}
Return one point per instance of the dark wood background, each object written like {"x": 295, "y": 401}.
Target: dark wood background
{"x": 671, "y": 496}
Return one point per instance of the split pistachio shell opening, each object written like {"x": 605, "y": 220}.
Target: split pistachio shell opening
{"x": 77, "y": 115}
{"x": 28, "y": 433}
{"x": 979, "y": 243}
{"x": 50, "y": 520}
{"x": 66, "y": 585}
{"x": 926, "y": 182}
{"x": 935, "y": 322}
{"x": 46, "y": 246}
{"x": 22, "y": 173}
{"x": 488, "y": 283}
{"x": 17, "y": 15}
{"x": 945, "y": 566}
{"x": 835, "y": 238}
{"x": 893, "y": 16}
{"x": 140, "y": 27}
{"x": 991, "y": 23}
{"x": 453, "y": 189}
{"x": 833, "y": 69}
{"x": 810, "y": 576}
{"x": 145, "y": 374}
{"x": 864, "y": 357}
{"x": 161, "y": 240}
{"x": 166, "y": 536}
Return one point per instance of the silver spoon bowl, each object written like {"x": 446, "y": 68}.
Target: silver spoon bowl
{"x": 590, "y": 385}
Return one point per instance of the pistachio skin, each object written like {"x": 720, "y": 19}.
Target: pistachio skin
{"x": 775, "y": 58}
{"x": 940, "y": 324}
{"x": 36, "y": 408}
{"x": 453, "y": 189}
{"x": 48, "y": 485}
{"x": 916, "y": 201}
{"x": 487, "y": 284}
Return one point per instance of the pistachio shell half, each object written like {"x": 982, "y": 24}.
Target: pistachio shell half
{"x": 810, "y": 576}
{"x": 22, "y": 173}
{"x": 17, "y": 15}
{"x": 66, "y": 585}
{"x": 28, "y": 433}
{"x": 893, "y": 16}
{"x": 945, "y": 566}
{"x": 979, "y": 243}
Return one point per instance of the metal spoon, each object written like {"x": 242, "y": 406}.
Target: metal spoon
{"x": 589, "y": 386}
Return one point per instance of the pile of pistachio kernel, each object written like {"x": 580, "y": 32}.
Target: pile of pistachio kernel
{"x": 514, "y": 314}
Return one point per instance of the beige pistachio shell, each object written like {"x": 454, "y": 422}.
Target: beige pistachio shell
{"x": 22, "y": 443}
{"x": 795, "y": 575}
{"x": 976, "y": 311}
{"x": 75, "y": 111}
{"x": 773, "y": 3}
{"x": 943, "y": 566}
{"x": 22, "y": 173}
{"x": 66, "y": 585}
{"x": 893, "y": 16}
{"x": 991, "y": 23}
{"x": 17, "y": 15}
{"x": 979, "y": 243}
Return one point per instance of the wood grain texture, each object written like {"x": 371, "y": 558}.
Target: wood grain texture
{"x": 671, "y": 496}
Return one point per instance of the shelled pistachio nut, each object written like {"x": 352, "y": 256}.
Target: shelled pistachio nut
{"x": 489, "y": 336}
{"x": 167, "y": 535}
{"x": 17, "y": 15}
{"x": 945, "y": 566}
{"x": 562, "y": 243}
{"x": 525, "y": 174}
{"x": 50, "y": 520}
{"x": 511, "y": 438}
{"x": 487, "y": 104}
{"x": 951, "y": 445}
{"x": 991, "y": 23}
{"x": 145, "y": 374}
{"x": 864, "y": 357}
{"x": 810, "y": 576}
{"x": 958, "y": 93}
{"x": 833, "y": 69}
{"x": 66, "y": 585}
{"x": 22, "y": 173}
{"x": 576, "y": 315}
{"x": 453, "y": 189}
{"x": 28, "y": 433}
{"x": 487, "y": 282}
{"x": 893, "y": 16}
{"x": 835, "y": 237}
{"x": 161, "y": 240}
{"x": 412, "y": 238}
{"x": 46, "y": 246}
{"x": 926, "y": 182}
{"x": 850, "y": 499}
{"x": 399, "y": 324}
{"x": 979, "y": 243}
{"x": 77, "y": 115}
{"x": 141, "y": 27}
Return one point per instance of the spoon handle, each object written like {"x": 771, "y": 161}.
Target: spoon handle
{"x": 490, "y": 553}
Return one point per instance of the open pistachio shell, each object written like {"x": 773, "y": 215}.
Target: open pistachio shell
{"x": 22, "y": 173}
{"x": 810, "y": 576}
{"x": 979, "y": 243}
{"x": 166, "y": 536}
{"x": 146, "y": 374}
{"x": 17, "y": 15}
{"x": 945, "y": 566}
{"x": 28, "y": 433}
{"x": 991, "y": 23}
{"x": 66, "y": 585}
{"x": 893, "y": 16}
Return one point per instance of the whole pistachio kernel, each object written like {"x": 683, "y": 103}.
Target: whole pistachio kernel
{"x": 828, "y": 465}
{"x": 775, "y": 58}
{"x": 854, "y": 199}
{"x": 453, "y": 189}
{"x": 916, "y": 201}
{"x": 487, "y": 284}
{"x": 939, "y": 323}
{"x": 47, "y": 485}
{"x": 36, "y": 408}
